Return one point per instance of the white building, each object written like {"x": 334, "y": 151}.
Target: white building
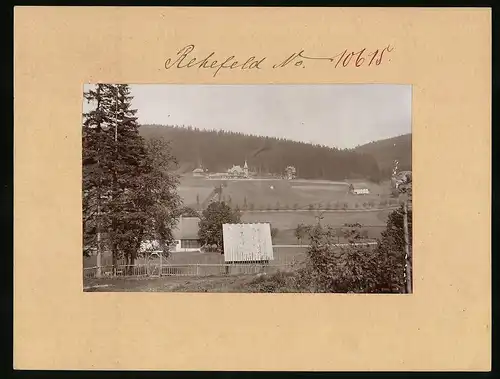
{"x": 358, "y": 189}
{"x": 185, "y": 238}
{"x": 186, "y": 235}
{"x": 290, "y": 173}
{"x": 238, "y": 171}
{"x": 247, "y": 243}
{"x": 198, "y": 172}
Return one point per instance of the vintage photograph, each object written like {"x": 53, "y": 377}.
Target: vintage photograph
{"x": 247, "y": 188}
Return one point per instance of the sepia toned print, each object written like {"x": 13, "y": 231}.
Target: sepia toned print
{"x": 247, "y": 188}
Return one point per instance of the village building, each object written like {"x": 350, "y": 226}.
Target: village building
{"x": 198, "y": 172}
{"x": 185, "y": 238}
{"x": 238, "y": 172}
{"x": 186, "y": 235}
{"x": 246, "y": 243}
{"x": 358, "y": 189}
{"x": 218, "y": 175}
{"x": 290, "y": 173}
{"x": 401, "y": 178}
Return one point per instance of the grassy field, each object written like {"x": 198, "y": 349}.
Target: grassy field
{"x": 284, "y": 255}
{"x": 287, "y": 221}
{"x": 287, "y": 194}
{"x": 282, "y": 194}
{"x": 224, "y": 284}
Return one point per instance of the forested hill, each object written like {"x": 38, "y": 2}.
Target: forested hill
{"x": 387, "y": 150}
{"x": 219, "y": 150}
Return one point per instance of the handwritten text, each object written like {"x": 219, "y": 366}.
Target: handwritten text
{"x": 346, "y": 58}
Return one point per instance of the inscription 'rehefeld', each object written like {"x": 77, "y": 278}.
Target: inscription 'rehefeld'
{"x": 185, "y": 58}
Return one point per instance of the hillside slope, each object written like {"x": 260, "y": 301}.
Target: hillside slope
{"x": 387, "y": 150}
{"x": 219, "y": 150}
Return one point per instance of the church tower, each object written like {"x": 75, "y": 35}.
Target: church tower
{"x": 245, "y": 169}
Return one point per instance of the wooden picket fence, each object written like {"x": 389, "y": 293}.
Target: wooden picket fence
{"x": 196, "y": 269}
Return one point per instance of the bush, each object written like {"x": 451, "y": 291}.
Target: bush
{"x": 354, "y": 268}
{"x": 281, "y": 282}
{"x": 274, "y": 233}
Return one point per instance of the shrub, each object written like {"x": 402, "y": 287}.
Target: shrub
{"x": 274, "y": 233}
{"x": 280, "y": 282}
{"x": 354, "y": 268}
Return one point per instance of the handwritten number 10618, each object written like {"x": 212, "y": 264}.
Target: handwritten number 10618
{"x": 344, "y": 59}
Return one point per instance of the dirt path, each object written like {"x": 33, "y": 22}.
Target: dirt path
{"x": 169, "y": 284}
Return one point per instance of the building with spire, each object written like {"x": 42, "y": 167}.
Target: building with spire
{"x": 237, "y": 172}
{"x": 245, "y": 169}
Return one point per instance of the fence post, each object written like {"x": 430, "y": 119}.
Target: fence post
{"x": 161, "y": 263}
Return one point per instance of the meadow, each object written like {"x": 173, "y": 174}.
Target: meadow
{"x": 268, "y": 195}
{"x": 272, "y": 194}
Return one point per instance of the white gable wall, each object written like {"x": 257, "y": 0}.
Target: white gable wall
{"x": 247, "y": 242}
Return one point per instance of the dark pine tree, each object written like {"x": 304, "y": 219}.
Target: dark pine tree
{"x": 128, "y": 192}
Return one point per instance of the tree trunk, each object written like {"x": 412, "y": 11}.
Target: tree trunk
{"x": 115, "y": 257}
{"x": 127, "y": 264}
{"x": 408, "y": 263}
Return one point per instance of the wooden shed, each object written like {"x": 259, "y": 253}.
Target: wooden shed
{"x": 245, "y": 243}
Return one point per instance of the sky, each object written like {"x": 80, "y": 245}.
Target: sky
{"x": 335, "y": 115}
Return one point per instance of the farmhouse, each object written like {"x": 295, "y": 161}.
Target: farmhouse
{"x": 238, "y": 172}
{"x": 186, "y": 235}
{"x": 198, "y": 172}
{"x": 401, "y": 178}
{"x": 290, "y": 172}
{"x": 185, "y": 238}
{"x": 358, "y": 189}
{"x": 245, "y": 243}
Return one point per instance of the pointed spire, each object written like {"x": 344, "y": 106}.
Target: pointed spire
{"x": 245, "y": 166}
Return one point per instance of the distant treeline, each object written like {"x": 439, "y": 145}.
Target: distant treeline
{"x": 387, "y": 150}
{"x": 218, "y": 150}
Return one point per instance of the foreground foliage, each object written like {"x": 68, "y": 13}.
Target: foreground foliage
{"x": 212, "y": 219}
{"x": 129, "y": 193}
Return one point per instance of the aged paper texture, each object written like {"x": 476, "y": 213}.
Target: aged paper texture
{"x": 444, "y": 325}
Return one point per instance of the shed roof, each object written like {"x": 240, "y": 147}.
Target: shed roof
{"x": 359, "y": 185}
{"x": 236, "y": 168}
{"x": 150, "y": 245}
{"x": 247, "y": 242}
{"x": 187, "y": 228}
